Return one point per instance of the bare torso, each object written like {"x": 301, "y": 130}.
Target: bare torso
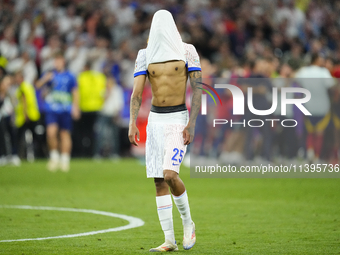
{"x": 168, "y": 83}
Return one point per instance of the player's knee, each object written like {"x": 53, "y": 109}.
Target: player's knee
{"x": 162, "y": 187}
{"x": 159, "y": 182}
{"x": 169, "y": 176}
{"x": 64, "y": 134}
{"x": 51, "y": 133}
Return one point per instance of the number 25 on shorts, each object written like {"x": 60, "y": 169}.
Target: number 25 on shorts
{"x": 177, "y": 159}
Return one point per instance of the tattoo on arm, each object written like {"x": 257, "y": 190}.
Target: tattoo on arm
{"x": 134, "y": 107}
{"x": 195, "y": 82}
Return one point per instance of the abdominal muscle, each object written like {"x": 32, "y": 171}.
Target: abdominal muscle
{"x": 168, "y": 83}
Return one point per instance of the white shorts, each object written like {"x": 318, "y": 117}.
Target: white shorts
{"x": 165, "y": 147}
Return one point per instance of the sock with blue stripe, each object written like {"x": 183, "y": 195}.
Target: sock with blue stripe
{"x": 164, "y": 209}
{"x": 182, "y": 204}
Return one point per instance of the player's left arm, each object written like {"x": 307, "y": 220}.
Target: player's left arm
{"x": 75, "y": 101}
{"x": 75, "y": 104}
{"x": 195, "y": 82}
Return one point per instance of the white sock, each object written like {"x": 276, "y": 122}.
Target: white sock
{"x": 65, "y": 158}
{"x": 164, "y": 209}
{"x": 182, "y": 204}
{"x": 54, "y": 155}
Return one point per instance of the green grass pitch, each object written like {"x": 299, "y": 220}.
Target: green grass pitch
{"x": 232, "y": 216}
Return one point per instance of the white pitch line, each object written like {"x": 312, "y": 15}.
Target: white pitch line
{"x": 133, "y": 222}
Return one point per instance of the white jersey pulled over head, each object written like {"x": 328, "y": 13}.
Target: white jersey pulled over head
{"x": 165, "y": 42}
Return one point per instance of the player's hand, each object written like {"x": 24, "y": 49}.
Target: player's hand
{"x": 48, "y": 76}
{"x": 133, "y": 132}
{"x": 75, "y": 113}
{"x": 188, "y": 134}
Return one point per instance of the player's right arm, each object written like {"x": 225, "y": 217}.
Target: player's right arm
{"x": 47, "y": 77}
{"x": 135, "y": 103}
{"x": 140, "y": 73}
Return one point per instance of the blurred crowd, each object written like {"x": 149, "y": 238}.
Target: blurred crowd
{"x": 99, "y": 40}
